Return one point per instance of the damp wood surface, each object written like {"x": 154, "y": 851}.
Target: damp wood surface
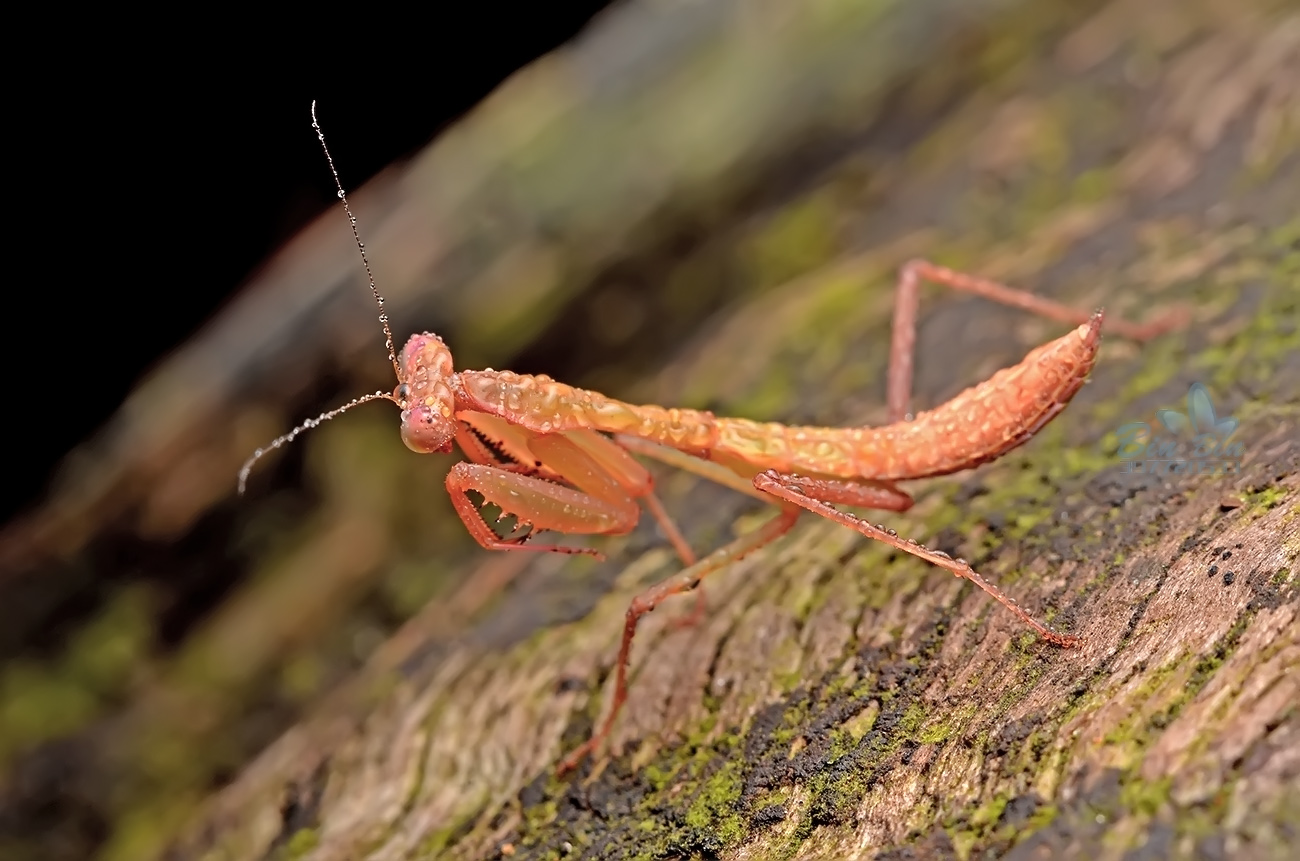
{"x": 840, "y": 701}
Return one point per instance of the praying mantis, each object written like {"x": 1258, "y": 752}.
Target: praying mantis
{"x": 559, "y": 458}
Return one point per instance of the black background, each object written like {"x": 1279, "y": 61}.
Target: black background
{"x": 143, "y": 204}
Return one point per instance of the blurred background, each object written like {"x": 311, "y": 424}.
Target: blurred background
{"x": 593, "y": 218}
{"x": 177, "y": 203}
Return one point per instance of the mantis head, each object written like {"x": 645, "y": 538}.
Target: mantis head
{"x": 424, "y": 373}
{"x": 425, "y": 396}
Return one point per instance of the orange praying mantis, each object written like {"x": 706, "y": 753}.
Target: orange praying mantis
{"x": 557, "y": 457}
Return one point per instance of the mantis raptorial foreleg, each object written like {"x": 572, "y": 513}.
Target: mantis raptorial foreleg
{"x": 601, "y": 499}
{"x": 535, "y": 502}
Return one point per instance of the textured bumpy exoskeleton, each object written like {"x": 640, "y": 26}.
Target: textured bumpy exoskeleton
{"x": 556, "y": 457}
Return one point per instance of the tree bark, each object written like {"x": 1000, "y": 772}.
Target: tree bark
{"x": 839, "y": 701}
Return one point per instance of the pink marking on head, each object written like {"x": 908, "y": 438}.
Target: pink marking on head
{"x": 425, "y": 395}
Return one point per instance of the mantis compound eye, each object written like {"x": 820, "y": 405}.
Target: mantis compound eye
{"x": 426, "y": 430}
{"x": 402, "y": 393}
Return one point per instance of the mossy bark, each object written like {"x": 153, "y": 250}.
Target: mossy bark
{"x": 839, "y": 701}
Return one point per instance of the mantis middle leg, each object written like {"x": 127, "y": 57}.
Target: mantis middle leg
{"x": 870, "y": 494}
{"x": 684, "y": 581}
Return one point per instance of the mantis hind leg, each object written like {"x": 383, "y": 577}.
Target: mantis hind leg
{"x": 907, "y": 294}
{"x": 816, "y": 495}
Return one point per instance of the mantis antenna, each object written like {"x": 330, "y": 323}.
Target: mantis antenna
{"x": 289, "y": 437}
{"x": 361, "y": 246}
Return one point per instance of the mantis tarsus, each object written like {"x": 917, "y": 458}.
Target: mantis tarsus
{"x": 557, "y": 457}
